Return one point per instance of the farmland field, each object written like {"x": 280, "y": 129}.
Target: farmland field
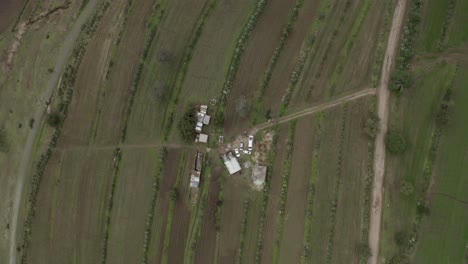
{"x": 355, "y": 110}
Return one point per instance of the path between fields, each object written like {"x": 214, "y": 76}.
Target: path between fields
{"x": 314, "y": 109}
{"x": 39, "y": 113}
{"x": 383, "y": 95}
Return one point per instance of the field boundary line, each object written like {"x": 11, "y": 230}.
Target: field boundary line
{"x": 383, "y": 96}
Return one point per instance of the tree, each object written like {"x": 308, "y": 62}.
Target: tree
{"x": 372, "y": 125}
{"x": 395, "y": 143}
{"x": 399, "y": 81}
{"x": 54, "y": 119}
{"x": 187, "y": 125}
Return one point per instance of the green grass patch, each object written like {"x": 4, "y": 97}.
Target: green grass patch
{"x": 432, "y": 28}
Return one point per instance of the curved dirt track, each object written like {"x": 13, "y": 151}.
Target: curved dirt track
{"x": 314, "y": 109}
{"x": 39, "y": 113}
{"x": 382, "y": 111}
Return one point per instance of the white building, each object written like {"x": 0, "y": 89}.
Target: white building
{"x": 231, "y": 163}
{"x": 202, "y": 138}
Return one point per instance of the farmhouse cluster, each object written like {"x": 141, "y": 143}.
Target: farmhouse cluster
{"x": 202, "y": 119}
{"x": 231, "y": 155}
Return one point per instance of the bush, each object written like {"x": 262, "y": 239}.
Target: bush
{"x": 400, "y": 80}
{"x": 400, "y": 238}
{"x": 406, "y": 188}
{"x": 372, "y": 126}
{"x": 174, "y": 194}
{"x": 54, "y": 119}
{"x": 364, "y": 250}
{"x": 395, "y": 143}
{"x": 187, "y": 125}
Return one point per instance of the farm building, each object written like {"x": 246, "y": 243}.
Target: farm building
{"x": 259, "y": 175}
{"x": 202, "y": 138}
{"x": 231, "y": 163}
{"x": 195, "y": 176}
{"x": 202, "y": 118}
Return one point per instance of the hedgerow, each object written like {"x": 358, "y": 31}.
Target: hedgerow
{"x": 276, "y": 54}
{"x": 401, "y": 77}
{"x": 334, "y": 205}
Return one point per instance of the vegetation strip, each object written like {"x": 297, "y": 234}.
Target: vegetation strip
{"x": 401, "y": 76}
{"x": 127, "y": 11}
{"x": 117, "y": 160}
{"x": 68, "y": 81}
{"x": 331, "y": 234}
{"x": 284, "y": 191}
{"x": 448, "y": 19}
{"x": 235, "y": 59}
{"x": 265, "y": 196}
{"x": 358, "y": 22}
{"x": 196, "y": 228}
{"x": 274, "y": 59}
{"x": 442, "y": 119}
{"x": 245, "y": 218}
{"x": 364, "y": 247}
{"x": 154, "y": 198}
{"x": 174, "y": 195}
{"x": 307, "y": 240}
{"x": 316, "y": 27}
{"x": 152, "y": 30}
{"x": 382, "y": 40}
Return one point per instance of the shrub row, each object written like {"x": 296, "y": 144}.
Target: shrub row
{"x": 245, "y": 219}
{"x": 356, "y": 28}
{"x": 448, "y": 18}
{"x": 276, "y": 54}
{"x": 421, "y": 204}
{"x": 185, "y": 63}
{"x": 334, "y": 206}
{"x": 311, "y": 193}
{"x": 152, "y": 30}
{"x": 154, "y": 198}
{"x": 284, "y": 190}
{"x": 110, "y": 206}
{"x": 367, "y": 198}
{"x": 380, "y": 52}
{"x": 265, "y": 197}
{"x": 317, "y": 25}
{"x": 66, "y": 86}
{"x": 401, "y": 78}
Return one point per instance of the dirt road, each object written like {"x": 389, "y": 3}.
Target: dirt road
{"x": 39, "y": 116}
{"x": 314, "y": 109}
{"x": 382, "y": 111}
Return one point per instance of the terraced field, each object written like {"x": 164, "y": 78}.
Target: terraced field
{"x": 111, "y": 152}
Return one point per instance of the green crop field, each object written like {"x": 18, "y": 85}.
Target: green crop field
{"x": 99, "y": 160}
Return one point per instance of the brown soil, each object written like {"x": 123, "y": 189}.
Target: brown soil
{"x": 9, "y": 11}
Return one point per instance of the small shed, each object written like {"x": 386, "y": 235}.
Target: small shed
{"x": 202, "y": 138}
{"x": 259, "y": 175}
{"x": 195, "y": 179}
